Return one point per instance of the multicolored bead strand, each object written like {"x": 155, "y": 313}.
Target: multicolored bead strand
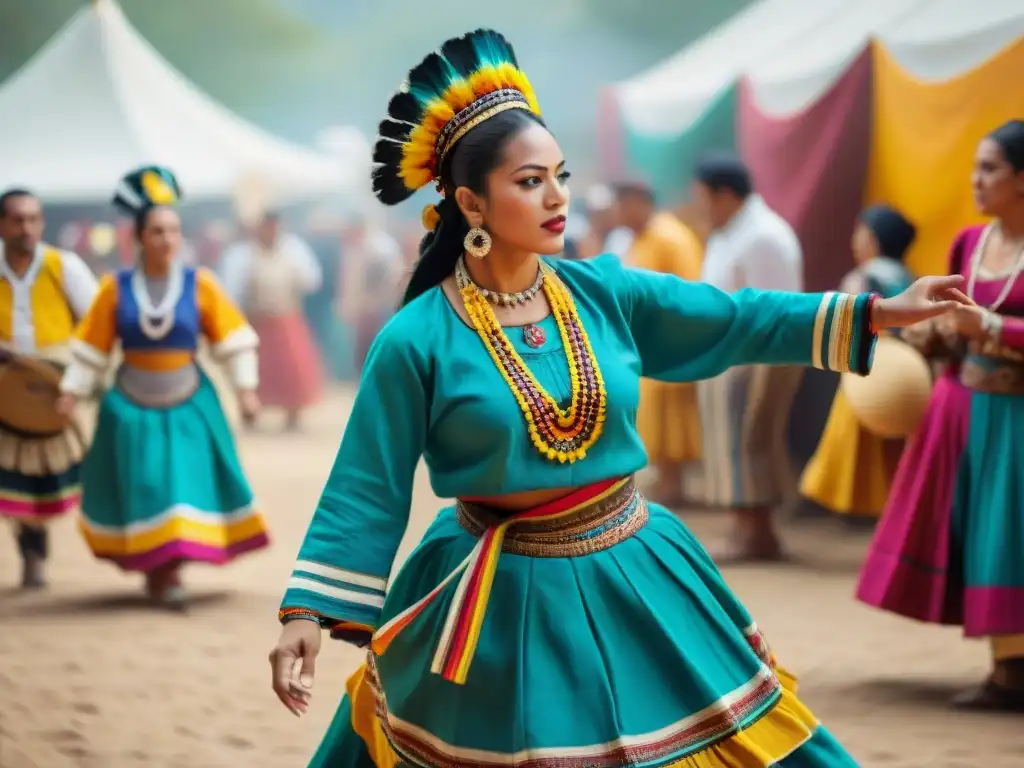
{"x": 559, "y": 435}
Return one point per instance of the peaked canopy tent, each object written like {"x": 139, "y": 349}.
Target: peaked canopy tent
{"x": 804, "y": 127}
{"x": 98, "y": 100}
{"x": 687, "y": 104}
{"x": 944, "y": 76}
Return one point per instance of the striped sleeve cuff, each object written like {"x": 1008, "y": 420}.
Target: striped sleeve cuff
{"x": 843, "y": 339}
{"x": 346, "y": 602}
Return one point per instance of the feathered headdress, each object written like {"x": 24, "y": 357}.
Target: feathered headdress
{"x": 145, "y": 188}
{"x": 471, "y": 79}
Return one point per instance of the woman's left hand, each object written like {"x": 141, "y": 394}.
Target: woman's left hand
{"x": 927, "y": 298}
{"x": 249, "y": 403}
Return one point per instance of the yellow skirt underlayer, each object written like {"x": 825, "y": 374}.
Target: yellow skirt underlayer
{"x": 852, "y": 470}
{"x": 779, "y": 733}
{"x": 668, "y": 421}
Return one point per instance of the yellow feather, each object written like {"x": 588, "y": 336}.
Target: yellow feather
{"x": 418, "y": 165}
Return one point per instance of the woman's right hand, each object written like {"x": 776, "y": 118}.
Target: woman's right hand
{"x": 293, "y": 663}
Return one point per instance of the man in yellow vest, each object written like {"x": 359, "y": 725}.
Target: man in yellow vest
{"x": 43, "y": 292}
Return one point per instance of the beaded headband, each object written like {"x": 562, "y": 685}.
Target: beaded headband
{"x": 469, "y": 80}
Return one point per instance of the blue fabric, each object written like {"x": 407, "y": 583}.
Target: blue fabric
{"x": 822, "y": 751}
{"x": 341, "y": 746}
{"x": 146, "y": 461}
{"x": 987, "y": 521}
{"x": 185, "y": 333}
{"x": 429, "y": 388}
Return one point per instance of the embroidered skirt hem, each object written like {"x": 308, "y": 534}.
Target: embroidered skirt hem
{"x": 637, "y": 654}
{"x": 786, "y": 735}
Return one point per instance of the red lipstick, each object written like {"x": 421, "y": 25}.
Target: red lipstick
{"x": 556, "y": 225}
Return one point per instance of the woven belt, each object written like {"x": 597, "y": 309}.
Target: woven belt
{"x": 589, "y": 520}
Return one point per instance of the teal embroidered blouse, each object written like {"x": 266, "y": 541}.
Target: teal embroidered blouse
{"x": 430, "y": 389}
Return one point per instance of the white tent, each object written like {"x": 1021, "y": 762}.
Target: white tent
{"x": 793, "y": 79}
{"x": 941, "y": 39}
{"x": 99, "y": 100}
{"x": 668, "y": 98}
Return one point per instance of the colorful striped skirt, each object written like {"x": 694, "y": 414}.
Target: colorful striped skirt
{"x": 39, "y": 477}
{"x": 591, "y": 631}
{"x": 164, "y": 485}
{"x": 948, "y": 548}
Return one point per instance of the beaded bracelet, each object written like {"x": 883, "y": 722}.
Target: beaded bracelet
{"x": 301, "y": 615}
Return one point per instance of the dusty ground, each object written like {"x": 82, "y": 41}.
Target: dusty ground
{"x": 91, "y": 678}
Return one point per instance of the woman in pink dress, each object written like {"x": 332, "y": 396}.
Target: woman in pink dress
{"x": 948, "y": 549}
{"x": 269, "y": 276}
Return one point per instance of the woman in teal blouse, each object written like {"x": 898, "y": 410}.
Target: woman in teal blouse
{"x": 552, "y": 616}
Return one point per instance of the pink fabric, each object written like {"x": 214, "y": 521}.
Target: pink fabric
{"x": 291, "y": 372}
{"x": 37, "y": 510}
{"x": 811, "y": 168}
{"x": 189, "y": 551}
{"x": 609, "y": 134}
{"x": 910, "y": 568}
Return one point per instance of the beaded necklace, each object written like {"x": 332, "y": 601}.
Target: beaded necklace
{"x": 559, "y": 435}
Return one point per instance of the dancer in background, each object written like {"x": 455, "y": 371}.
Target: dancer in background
{"x": 852, "y": 469}
{"x": 44, "y": 291}
{"x": 745, "y": 410}
{"x": 612, "y": 638}
{"x": 268, "y": 276}
{"x": 162, "y": 484}
{"x": 948, "y": 548}
{"x": 667, "y": 419}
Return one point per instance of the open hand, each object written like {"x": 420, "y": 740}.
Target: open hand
{"x": 927, "y": 298}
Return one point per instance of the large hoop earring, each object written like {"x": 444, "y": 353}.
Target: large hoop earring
{"x": 477, "y": 242}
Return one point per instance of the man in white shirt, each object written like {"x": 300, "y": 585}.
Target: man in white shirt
{"x": 745, "y": 411}
{"x": 606, "y": 234}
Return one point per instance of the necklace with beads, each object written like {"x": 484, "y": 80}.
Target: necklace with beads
{"x": 976, "y": 259}
{"x": 499, "y": 298}
{"x": 563, "y": 435}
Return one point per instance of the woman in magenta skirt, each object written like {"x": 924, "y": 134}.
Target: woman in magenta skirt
{"x": 949, "y": 548}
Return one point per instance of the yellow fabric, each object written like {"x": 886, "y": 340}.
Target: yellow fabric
{"x": 773, "y": 737}
{"x": 668, "y": 419}
{"x": 176, "y": 529}
{"x": 98, "y": 328}
{"x": 852, "y": 469}
{"x": 1007, "y": 647}
{"x": 218, "y": 315}
{"x": 158, "y": 360}
{"x": 365, "y": 722}
{"x": 51, "y": 315}
{"x": 923, "y": 143}
{"x": 6, "y": 311}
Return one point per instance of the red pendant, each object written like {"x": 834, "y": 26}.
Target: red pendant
{"x": 534, "y": 336}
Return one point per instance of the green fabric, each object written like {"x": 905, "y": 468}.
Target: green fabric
{"x": 667, "y": 161}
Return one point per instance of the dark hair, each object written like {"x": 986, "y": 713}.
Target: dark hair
{"x": 11, "y": 194}
{"x": 467, "y": 165}
{"x": 724, "y": 171}
{"x": 637, "y": 189}
{"x": 1010, "y": 138}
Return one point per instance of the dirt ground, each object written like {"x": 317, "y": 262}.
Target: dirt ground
{"x": 92, "y": 678}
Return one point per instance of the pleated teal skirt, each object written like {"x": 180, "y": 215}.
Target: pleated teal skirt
{"x": 638, "y": 655}
{"x": 163, "y": 485}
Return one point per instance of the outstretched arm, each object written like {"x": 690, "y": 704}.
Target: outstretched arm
{"x": 350, "y": 546}
{"x": 689, "y": 331}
